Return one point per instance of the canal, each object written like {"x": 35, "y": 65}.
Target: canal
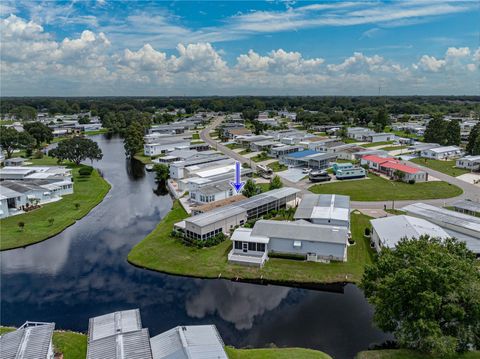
{"x": 83, "y": 272}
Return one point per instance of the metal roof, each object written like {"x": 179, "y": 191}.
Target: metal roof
{"x": 131, "y": 345}
{"x": 304, "y": 153}
{"x": 118, "y": 335}
{"x": 324, "y": 206}
{"x": 189, "y": 342}
{"x": 237, "y": 208}
{"x": 31, "y": 341}
{"x": 245, "y": 235}
{"x": 391, "y": 229}
{"x": 467, "y": 205}
{"x": 442, "y": 149}
{"x": 446, "y": 216}
{"x": 300, "y": 230}
{"x": 114, "y": 323}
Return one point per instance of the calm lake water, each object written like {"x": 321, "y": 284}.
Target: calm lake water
{"x": 83, "y": 272}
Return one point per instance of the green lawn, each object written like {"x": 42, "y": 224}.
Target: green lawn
{"x": 375, "y": 144}
{"x": 88, "y": 192}
{"x": 396, "y": 212}
{"x": 142, "y": 158}
{"x": 96, "y": 132}
{"x": 393, "y": 148}
{"x": 260, "y": 157}
{"x": 195, "y": 136}
{"x": 233, "y": 146}
{"x": 408, "y": 354}
{"x": 275, "y": 353}
{"x": 72, "y": 345}
{"x": 277, "y": 166}
{"x": 447, "y": 167}
{"x": 377, "y": 188}
{"x": 160, "y": 252}
{"x": 244, "y": 152}
{"x": 264, "y": 187}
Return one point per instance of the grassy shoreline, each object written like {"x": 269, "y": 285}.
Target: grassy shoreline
{"x": 88, "y": 193}
{"x": 160, "y": 252}
{"x": 376, "y": 188}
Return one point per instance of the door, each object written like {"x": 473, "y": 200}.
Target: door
{"x": 245, "y": 247}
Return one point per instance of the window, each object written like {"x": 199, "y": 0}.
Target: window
{"x": 297, "y": 244}
{"x": 242, "y": 222}
{"x": 252, "y": 246}
{"x": 238, "y": 245}
{"x": 261, "y": 247}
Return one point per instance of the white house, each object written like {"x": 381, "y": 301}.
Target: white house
{"x": 442, "y": 152}
{"x": 388, "y": 231}
{"x": 31, "y": 340}
{"x": 471, "y": 163}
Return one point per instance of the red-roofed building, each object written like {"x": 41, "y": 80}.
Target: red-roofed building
{"x": 394, "y": 168}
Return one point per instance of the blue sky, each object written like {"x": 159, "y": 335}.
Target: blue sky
{"x": 250, "y": 47}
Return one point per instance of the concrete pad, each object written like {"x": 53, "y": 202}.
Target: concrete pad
{"x": 375, "y": 213}
{"x": 293, "y": 174}
{"x": 251, "y": 154}
{"x": 472, "y": 178}
{"x": 267, "y": 162}
{"x": 402, "y": 153}
{"x": 261, "y": 180}
{"x": 237, "y": 150}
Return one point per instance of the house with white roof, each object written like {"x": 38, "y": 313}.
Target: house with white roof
{"x": 388, "y": 231}
{"x": 442, "y": 152}
{"x": 471, "y": 163}
{"x": 33, "y": 340}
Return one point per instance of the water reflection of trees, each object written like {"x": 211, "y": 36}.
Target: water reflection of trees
{"x": 135, "y": 169}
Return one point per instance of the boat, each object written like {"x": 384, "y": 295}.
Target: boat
{"x": 149, "y": 167}
{"x": 319, "y": 176}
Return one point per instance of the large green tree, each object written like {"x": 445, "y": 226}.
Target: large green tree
{"x": 436, "y": 131}
{"x": 77, "y": 149}
{"x": 133, "y": 140}
{"x": 162, "y": 172}
{"x": 42, "y": 133}
{"x": 473, "y": 144}
{"x": 276, "y": 183}
{"x": 24, "y": 112}
{"x": 452, "y": 133}
{"x": 427, "y": 293}
{"x": 11, "y": 139}
{"x": 381, "y": 120}
{"x": 250, "y": 188}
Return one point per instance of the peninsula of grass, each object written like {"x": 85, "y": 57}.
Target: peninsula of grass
{"x": 275, "y": 353}
{"x": 277, "y": 166}
{"x": 376, "y": 188}
{"x": 163, "y": 253}
{"x": 447, "y": 167}
{"x": 146, "y": 160}
{"x": 96, "y": 132}
{"x": 409, "y": 354}
{"x": 88, "y": 192}
{"x": 73, "y": 345}
{"x": 375, "y": 144}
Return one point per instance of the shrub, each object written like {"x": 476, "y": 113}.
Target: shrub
{"x": 50, "y": 221}
{"x": 412, "y": 181}
{"x": 77, "y": 205}
{"x": 21, "y": 225}
{"x": 85, "y": 171}
{"x": 367, "y": 231}
{"x": 38, "y": 155}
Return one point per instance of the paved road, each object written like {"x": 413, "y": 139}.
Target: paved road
{"x": 470, "y": 191}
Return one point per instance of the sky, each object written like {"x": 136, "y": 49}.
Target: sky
{"x": 187, "y": 48}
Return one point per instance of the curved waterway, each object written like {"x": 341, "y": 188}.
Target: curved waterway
{"x": 83, "y": 272}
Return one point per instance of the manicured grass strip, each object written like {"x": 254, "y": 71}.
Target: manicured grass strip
{"x": 377, "y": 188}
{"x": 375, "y": 144}
{"x": 275, "y": 353}
{"x": 158, "y": 251}
{"x": 72, "y": 345}
{"x": 408, "y": 354}
{"x": 142, "y": 158}
{"x": 393, "y": 148}
{"x": 195, "y": 136}
{"x": 96, "y": 132}
{"x": 277, "y": 166}
{"x": 88, "y": 193}
{"x": 447, "y": 167}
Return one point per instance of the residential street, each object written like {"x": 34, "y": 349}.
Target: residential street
{"x": 470, "y": 191}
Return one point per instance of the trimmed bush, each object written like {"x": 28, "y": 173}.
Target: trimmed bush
{"x": 296, "y": 257}
{"x": 412, "y": 181}
{"x": 85, "y": 171}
